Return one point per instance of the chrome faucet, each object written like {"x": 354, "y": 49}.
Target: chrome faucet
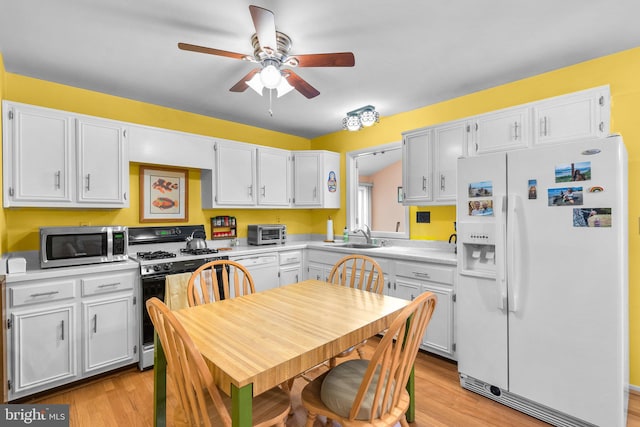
{"x": 366, "y": 232}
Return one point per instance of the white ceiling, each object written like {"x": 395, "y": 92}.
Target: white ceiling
{"x": 408, "y": 53}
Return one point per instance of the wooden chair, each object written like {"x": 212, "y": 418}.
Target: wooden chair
{"x": 373, "y": 393}
{"x": 357, "y": 271}
{"x": 201, "y": 403}
{"x": 235, "y": 281}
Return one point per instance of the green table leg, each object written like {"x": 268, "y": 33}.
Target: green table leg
{"x": 241, "y": 406}
{"x": 159, "y": 384}
{"x": 411, "y": 388}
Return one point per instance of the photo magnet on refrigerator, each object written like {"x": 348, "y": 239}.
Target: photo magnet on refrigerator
{"x": 533, "y": 189}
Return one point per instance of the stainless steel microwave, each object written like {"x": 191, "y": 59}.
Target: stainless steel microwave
{"x": 69, "y": 246}
{"x": 267, "y": 234}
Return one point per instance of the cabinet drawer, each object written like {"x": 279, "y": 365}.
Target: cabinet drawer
{"x": 46, "y": 292}
{"x": 101, "y": 285}
{"x": 428, "y": 272}
{"x": 292, "y": 257}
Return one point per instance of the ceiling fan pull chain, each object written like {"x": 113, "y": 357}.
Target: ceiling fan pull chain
{"x": 270, "y": 102}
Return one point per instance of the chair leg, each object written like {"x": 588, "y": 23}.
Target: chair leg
{"x": 311, "y": 418}
{"x": 333, "y": 362}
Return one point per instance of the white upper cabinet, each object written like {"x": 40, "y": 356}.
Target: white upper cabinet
{"x": 101, "y": 142}
{"x": 450, "y": 141}
{"x": 429, "y": 156}
{"x": 274, "y": 177}
{"x": 417, "y": 166}
{"x": 53, "y": 158}
{"x": 581, "y": 114}
{"x": 501, "y": 130}
{"x": 316, "y": 179}
{"x": 235, "y": 174}
{"x": 37, "y": 156}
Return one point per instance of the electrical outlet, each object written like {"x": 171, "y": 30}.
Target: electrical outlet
{"x": 84, "y": 224}
{"x": 423, "y": 217}
{"x": 277, "y": 220}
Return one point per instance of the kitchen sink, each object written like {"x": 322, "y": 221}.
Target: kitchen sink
{"x": 356, "y": 245}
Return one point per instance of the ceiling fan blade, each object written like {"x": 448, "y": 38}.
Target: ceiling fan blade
{"x": 242, "y": 85}
{"x": 340, "y": 59}
{"x": 210, "y": 50}
{"x": 301, "y": 85}
{"x": 265, "y": 23}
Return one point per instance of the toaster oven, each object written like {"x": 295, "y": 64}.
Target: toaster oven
{"x": 267, "y": 234}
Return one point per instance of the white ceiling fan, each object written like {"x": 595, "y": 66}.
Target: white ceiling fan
{"x": 271, "y": 51}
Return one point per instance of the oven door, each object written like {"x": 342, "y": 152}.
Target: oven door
{"x": 269, "y": 235}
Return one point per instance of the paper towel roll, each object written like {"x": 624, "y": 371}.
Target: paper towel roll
{"x": 330, "y": 230}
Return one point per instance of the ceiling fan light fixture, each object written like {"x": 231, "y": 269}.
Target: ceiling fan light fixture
{"x": 270, "y": 75}
{"x": 284, "y": 87}
{"x": 255, "y": 83}
{"x": 362, "y": 117}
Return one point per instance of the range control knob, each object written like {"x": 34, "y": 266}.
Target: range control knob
{"x": 166, "y": 266}
{"x": 156, "y": 267}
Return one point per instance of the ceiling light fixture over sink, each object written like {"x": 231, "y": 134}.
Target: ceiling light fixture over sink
{"x": 362, "y": 117}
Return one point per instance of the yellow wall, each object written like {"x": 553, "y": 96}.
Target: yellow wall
{"x": 18, "y": 227}
{"x": 620, "y": 71}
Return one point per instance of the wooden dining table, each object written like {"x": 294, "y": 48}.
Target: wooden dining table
{"x": 255, "y": 342}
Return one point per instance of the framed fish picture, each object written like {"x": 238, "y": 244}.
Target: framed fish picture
{"x": 164, "y": 194}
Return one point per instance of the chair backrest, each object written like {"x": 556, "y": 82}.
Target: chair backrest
{"x": 394, "y": 357}
{"x": 217, "y": 280}
{"x": 186, "y": 367}
{"x": 358, "y": 271}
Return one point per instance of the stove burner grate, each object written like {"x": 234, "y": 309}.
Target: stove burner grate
{"x": 155, "y": 255}
{"x": 201, "y": 251}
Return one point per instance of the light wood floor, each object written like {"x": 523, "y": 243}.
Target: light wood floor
{"x": 125, "y": 398}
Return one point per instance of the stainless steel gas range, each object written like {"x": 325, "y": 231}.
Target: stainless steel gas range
{"x": 161, "y": 251}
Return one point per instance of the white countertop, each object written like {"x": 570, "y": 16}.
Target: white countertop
{"x": 426, "y": 251}
{"x": 432, "y": 251}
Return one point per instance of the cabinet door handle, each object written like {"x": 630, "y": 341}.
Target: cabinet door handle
{"x": 44, "y": 294}
{"x": 545, "y": 125}
{"x": 424, "y": 183}
{"x": 58, "y": 180}
{"x": 108, "y": 285}
{"x": 297, "y": 278}
{"x": 88, "y": 182}
{"x": 515, "y": 130}
{"x": 95, "y": 323}
{"x": 441, "y": 182}
{"x": 62, "y": 330}
{"x": 251, "y": 190}
{"x": 264, "y": 190}
{"x": 601, "y": 127}
{"x": 412, "y": 297}
{"x": 315, "y": 192}
{"x": 420, "y": 274}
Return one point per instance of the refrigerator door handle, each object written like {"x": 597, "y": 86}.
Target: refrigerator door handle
{"x": 501, "y": 242}
{"x": 513, "y": 239}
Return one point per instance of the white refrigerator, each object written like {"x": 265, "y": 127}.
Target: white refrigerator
{"x": 542, "y": 306}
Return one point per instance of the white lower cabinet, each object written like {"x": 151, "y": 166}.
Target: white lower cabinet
{"x": 414, "y": 278}
{"x": 406, "y": 280}
{"x": 63, "y": 330}
{"x": 290, "y": 267}
{"x": 44, "y": 344}
{"x": 108, "y": 340}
